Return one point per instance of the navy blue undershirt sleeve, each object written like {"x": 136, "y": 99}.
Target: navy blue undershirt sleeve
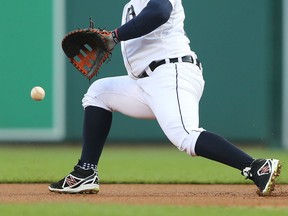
{"x": 155, "y": 14}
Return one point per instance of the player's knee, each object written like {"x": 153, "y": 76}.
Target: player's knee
{"x": 188, "y": 143}
{"x": 91, "y": 98}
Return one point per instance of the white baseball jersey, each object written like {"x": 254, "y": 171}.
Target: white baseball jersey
{"x": 167, "y": 41}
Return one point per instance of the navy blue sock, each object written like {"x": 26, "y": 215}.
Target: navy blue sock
{"x": 217, "y": 148}
{"x": 97, "y": 123}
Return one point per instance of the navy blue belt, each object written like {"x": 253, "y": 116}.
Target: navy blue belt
{"x": 153, "y": 65}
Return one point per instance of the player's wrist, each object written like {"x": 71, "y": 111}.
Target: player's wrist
{"x": 115, "y": 36}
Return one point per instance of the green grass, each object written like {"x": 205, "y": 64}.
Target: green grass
{"x": 28, "y": 164}
{"x": 125, "y": 210}
{"x": 119, "y": 164}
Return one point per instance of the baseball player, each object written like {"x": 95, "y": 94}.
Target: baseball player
{"x": 164, "y": 81}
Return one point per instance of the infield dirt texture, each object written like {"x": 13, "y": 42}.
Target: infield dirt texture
{"x": 156, "y": 194}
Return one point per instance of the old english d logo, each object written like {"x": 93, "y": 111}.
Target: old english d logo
{"x": 130, "y": 13}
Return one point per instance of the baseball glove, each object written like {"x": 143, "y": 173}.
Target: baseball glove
{"x": 87, "y": 49}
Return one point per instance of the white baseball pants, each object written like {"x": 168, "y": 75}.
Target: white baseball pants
{"x": 171, "y": 94}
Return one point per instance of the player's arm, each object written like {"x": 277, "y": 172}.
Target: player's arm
{"x": 155, "y": 14}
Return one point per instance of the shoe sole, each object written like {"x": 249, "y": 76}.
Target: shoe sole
{"x": 276, "y": 167}
{"x": 82, "y": 190}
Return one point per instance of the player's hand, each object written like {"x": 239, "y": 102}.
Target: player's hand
{"x": 110, "y": 42}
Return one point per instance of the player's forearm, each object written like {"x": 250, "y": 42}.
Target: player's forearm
{"x": 155, "y": 14}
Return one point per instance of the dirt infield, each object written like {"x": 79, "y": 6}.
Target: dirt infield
{"x": 156, "y": 194}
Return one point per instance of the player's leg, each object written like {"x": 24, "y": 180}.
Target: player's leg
{"x": 118, "y": 94}
{"x": 175, "y": 103}
{"x": 102, "y": 98}
{"x": 177, "y": 114}
{"x": 262, "y": 171}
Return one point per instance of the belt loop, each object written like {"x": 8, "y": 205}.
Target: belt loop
{"x": 198, "y": 63}
{"x": 180, "y": 59}
{"x": 192, "y": 59}
{"x": 167, "y": 61}
{"x": 148, "y": 71}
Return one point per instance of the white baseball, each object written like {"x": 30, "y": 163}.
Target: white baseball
{"x": 37, "y": 93}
